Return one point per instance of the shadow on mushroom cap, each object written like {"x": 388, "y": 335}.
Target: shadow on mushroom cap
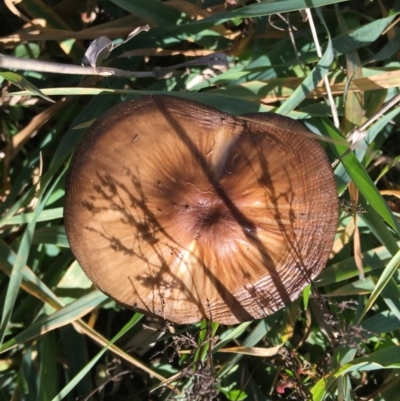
{"x": 180, "y": 210}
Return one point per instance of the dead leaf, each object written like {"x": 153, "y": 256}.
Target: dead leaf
{"x": 254, "y": 351}
{"x": 97, "y": 52}
{"x": 100, "y": 48}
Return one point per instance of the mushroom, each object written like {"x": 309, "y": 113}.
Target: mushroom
{"x": 180, "y": 210}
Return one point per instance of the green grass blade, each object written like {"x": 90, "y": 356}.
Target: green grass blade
{"x": 25, "y": 218}
{"x": 385, "y": 277}
{"x": 265, "y": 8}
{"x": 374, "y": 259}
{"x": 23, "y": 83}
{"x": 51, "y": 235}
{"x": 380, "y": 323}
{"x": 362, "y": 36}
{"x": 22, "y": 257}
{"x": 387, "y": 358}
{"x": 65, "y": 391}
{"x": 391, "y": 295}
{"x": 362, "y": 180}
{"x": 74, "y": 311}
{"x": 48, "y": 368}
{"x": 231, "y": 335}
{"x": 151, "y": 10}
{"x": 311, "y": 81}
{"x": 378, "y": 227}
{"x": 31, "y": 282}
{"x": 251, "y": 340}
{"x": 16, "y": 279}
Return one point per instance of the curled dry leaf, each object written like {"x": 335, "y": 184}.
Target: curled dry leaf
{"x": 97, "y": 51}
{"x": 101, "y": 48}
{"x": 180, "y": 210}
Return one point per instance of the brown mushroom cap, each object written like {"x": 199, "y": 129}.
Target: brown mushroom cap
{"x": 180, "y": 210}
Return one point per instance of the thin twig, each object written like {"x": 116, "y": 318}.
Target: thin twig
{"x": 273, "y": 24}
{"x": 9, "y": 62}
{"x": 319, "y": 53}
{"x": 59, "y": 68}
{"x": 292, "y": 39}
